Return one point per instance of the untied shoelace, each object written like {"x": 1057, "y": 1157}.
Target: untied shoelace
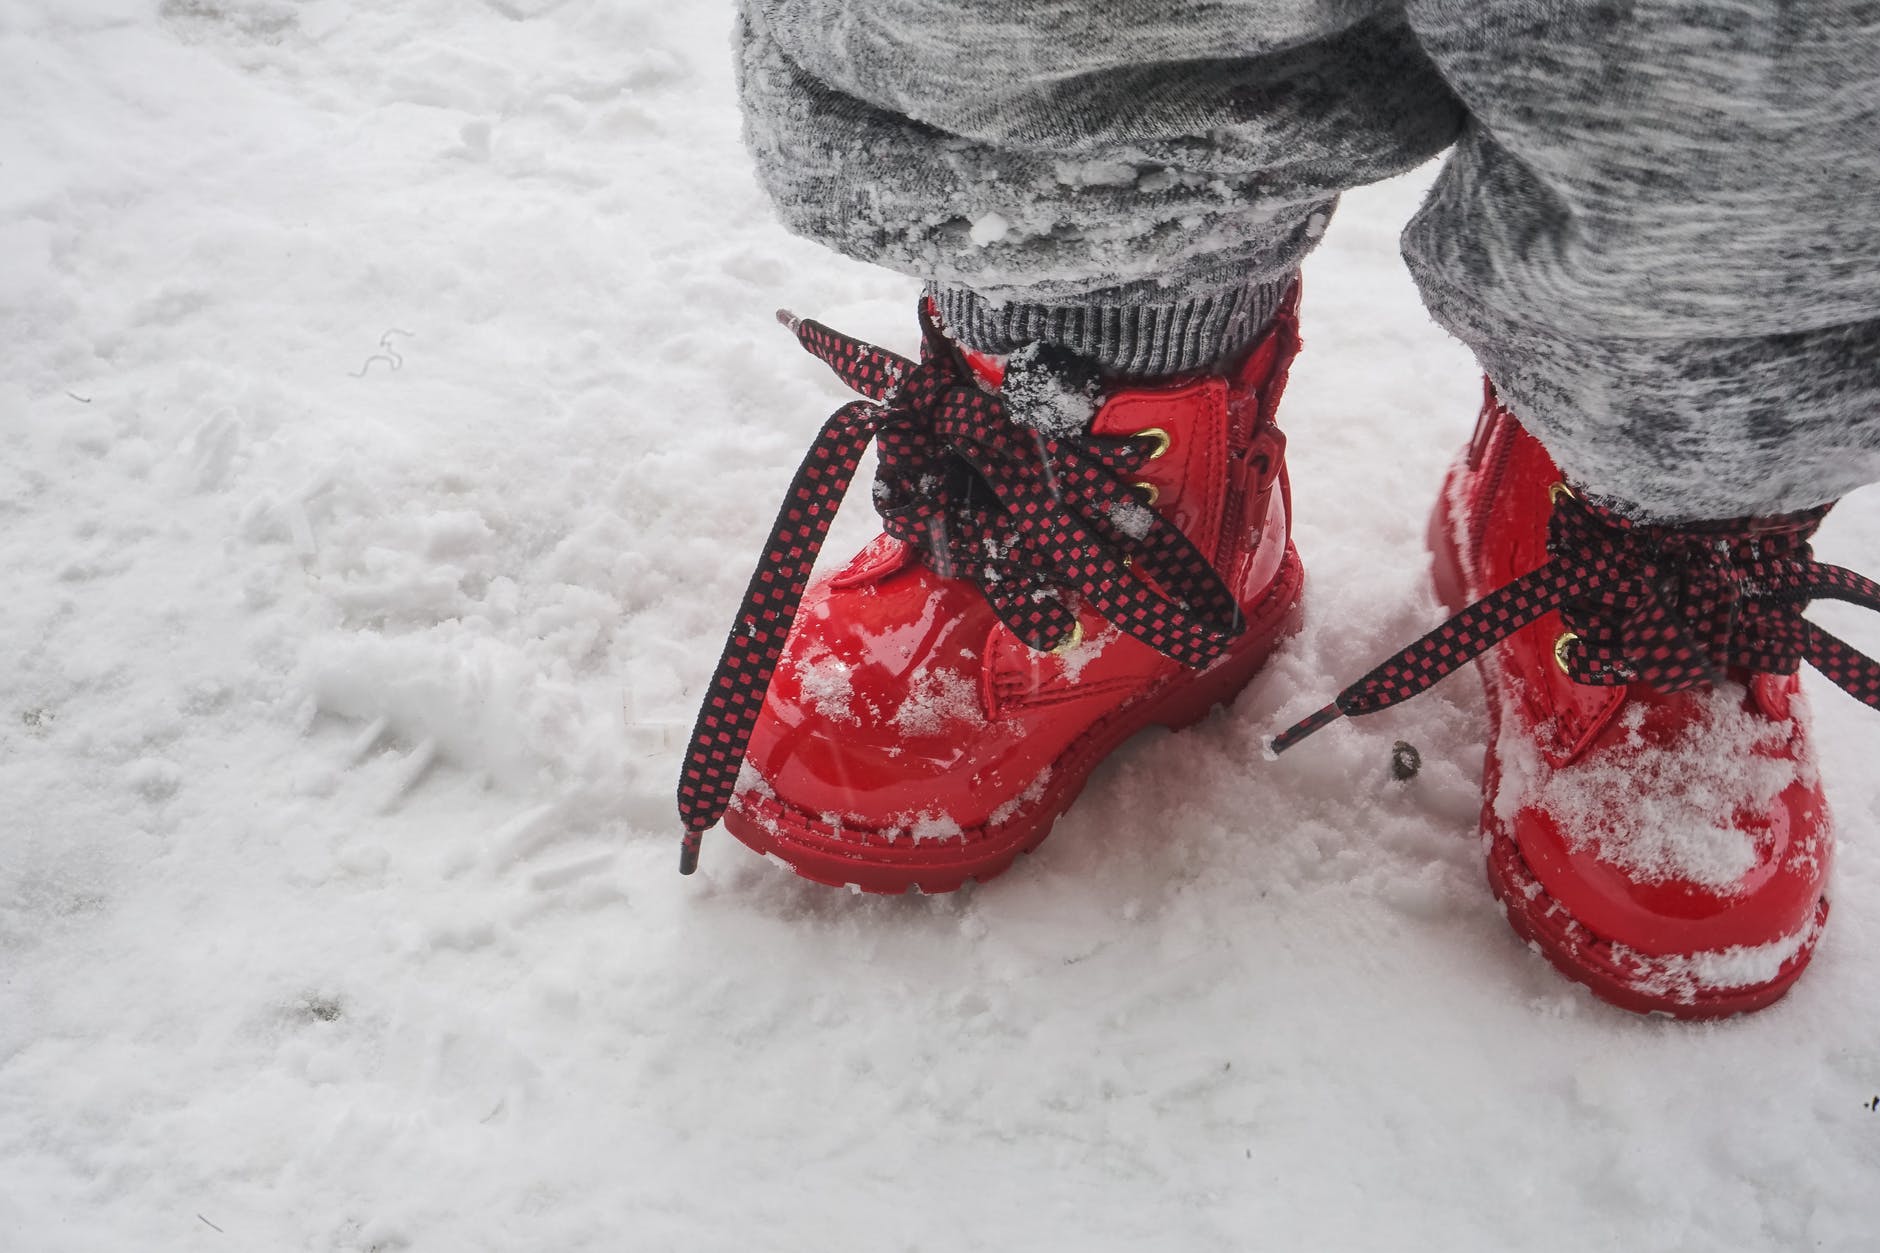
{"x": 1670, "y": 606}
{"x": 1040, "y": 523}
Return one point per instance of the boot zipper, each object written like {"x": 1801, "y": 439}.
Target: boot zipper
{"x": 1497, "y": 452}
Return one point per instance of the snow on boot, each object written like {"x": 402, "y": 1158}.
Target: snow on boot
{"x": 1651, "y": 815}
{"x": 1065, "y": 561}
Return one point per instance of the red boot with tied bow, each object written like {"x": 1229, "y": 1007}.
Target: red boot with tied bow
{"x": 1651, "y": 812}
{"x": 1065, "y": 561}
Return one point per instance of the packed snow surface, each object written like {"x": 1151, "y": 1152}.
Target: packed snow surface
{"x": 393, "y": 410}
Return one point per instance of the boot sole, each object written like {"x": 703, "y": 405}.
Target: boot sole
{"x": 1616, "y": 974}
{"x": 817, "y": 850}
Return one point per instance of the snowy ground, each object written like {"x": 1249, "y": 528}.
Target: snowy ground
{"x": 392, "y": 410}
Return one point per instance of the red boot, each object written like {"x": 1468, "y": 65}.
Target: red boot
{"x": 1652, "y": 816}
{"x": 1064, "y": 564}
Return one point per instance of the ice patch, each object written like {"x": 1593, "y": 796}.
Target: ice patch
{"x": 1095, "y": 173}
{"x": 989, "y": 228}
{"x": 1041, "y": 393}
{"x": 934, "y": 826}
{"x": 828, "y": 686}
{"x": 1132, "y": 518}
{"x": 935, "y": 700}
{"x": 1745, "y": 965}
{"x": 1742, "y": 966}
{"x": 1032, "y": 792}
{"x": 1072, "y": 661}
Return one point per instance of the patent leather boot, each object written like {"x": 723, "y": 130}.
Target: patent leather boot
{"x": 1066, "y": 560}
{"x": 1652, "y": 816}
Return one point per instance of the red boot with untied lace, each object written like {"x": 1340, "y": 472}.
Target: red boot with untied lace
{"x": 1064, "y": 561}
{"x": 1651, "y": 814}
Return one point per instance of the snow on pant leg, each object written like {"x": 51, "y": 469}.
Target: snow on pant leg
{"x": 1660, "y": 232}
{"x": 1135, "y": 181}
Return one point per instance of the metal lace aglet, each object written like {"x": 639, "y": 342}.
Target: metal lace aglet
{"x": 789, "y": 319}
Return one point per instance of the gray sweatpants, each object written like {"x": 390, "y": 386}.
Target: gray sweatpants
{"x": 1658, "y": 227}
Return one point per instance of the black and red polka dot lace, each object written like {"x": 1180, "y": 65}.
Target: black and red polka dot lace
{"x": 1672, "y": 607}
{"x": 1041, "y": 523}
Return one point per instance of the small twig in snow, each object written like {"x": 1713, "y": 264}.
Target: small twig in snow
{"x": 212, "y": 1226}
{"x": 388, "y": 354}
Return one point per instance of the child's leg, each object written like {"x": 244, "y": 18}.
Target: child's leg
{"x": 1655, "y": 231}
{"x": 1135, "y": 182}
{"x": 1658, "y": 232}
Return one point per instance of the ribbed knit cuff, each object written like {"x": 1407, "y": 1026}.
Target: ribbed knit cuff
{"x": 1125, "y": 330}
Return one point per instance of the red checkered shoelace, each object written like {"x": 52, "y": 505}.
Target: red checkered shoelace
{"x": 1039, "y": 523}
{"x": 1674, "y": 607}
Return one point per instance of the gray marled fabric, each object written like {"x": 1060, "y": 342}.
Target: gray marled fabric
{"x": 1143, "y": 331}
{"x": 1659, "y": 227}
{"x": 1055, "y": 154}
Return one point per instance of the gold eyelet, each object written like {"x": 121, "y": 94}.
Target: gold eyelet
{"x": 1557, "y": 492}
{"x": 1567, "y": 640}
{"x": 1071, "y": 640}
{"x": 1161, "y": 438}
{"x": 1150, "y": 492}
